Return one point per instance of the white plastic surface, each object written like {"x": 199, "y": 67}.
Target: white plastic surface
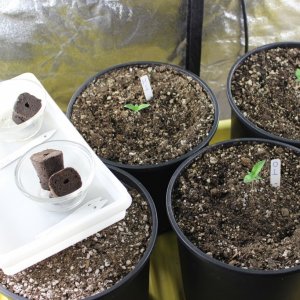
{"x": 275, "y": 172}
{"x": 146, "y": 87}
{"x": 11, "y": 157}
{"x": 22, "y": 222}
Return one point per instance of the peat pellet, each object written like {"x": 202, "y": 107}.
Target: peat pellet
{"x": 64, "y": 182}
{"x": 25, "y": 108}
{"x": 46, "y": 163}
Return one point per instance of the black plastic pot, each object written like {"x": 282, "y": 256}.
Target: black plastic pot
{"x": 205, "y": 277}
{"x": 135, "y": 285}
{"x": 240, "y": 125}
{"x": 155, "y": 177}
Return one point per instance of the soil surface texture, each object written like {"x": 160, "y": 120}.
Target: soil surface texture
{"x": 91, "y": 266}
{"x": 180, "y": 115}
{"x": 249, "y": 225}
{"x": 266, "y": 90}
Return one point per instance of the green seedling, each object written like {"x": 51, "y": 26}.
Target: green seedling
{"x": 254, "y": 174}
{"x": 136, "y": 107}
{"x": 297, "y": 73}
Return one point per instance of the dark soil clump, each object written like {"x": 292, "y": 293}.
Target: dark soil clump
{"x": 179, "y": 118}
{"x": 265, "y": 89}
{"x": 91, "y": 266}
{"x": 253, "y": 226}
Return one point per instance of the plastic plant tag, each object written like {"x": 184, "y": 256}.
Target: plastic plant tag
{"x": 146, "y": 87}
{"x": 275, "y": 172}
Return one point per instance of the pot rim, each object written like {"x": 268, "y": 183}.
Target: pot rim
{"x": 135, "y": 183}
{"x": 170, "y": 162}
{"x": 245, "y": 121}
{"x": 181, "y": 236}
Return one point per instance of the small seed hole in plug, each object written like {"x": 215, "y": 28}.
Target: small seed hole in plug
{"x": 66, "y": 181}
{"x": 27, "y": 104}
{"x": 45, "y": 154}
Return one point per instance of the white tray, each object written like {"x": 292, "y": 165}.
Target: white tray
{"x": 22, "y": 222}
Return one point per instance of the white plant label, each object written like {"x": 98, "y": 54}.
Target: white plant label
{"x": 146, "y": 87}
{"x": 275, "y": 172}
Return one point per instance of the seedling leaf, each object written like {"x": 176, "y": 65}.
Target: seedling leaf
{"x": 254, "y": 174}
{"x": 136, "y": 107}
{"x": 297, "y": 73}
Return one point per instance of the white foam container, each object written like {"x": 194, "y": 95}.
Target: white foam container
{"x": 23, "y": 222}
